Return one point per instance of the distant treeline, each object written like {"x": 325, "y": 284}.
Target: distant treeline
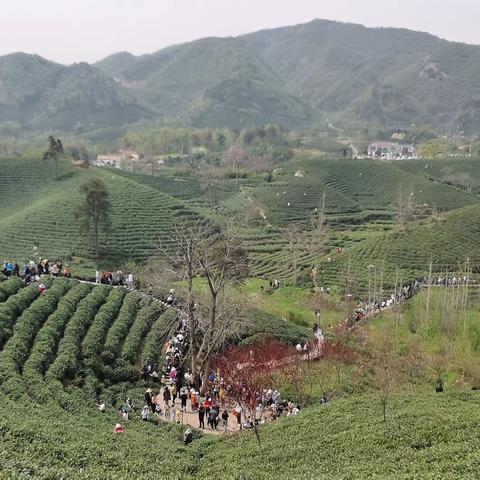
{"x": 181, "y": 141}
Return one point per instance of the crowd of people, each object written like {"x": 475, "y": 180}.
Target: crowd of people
{"x": 409, "y": 290}
{"x": 174, "y": 392}
{"x": 370, "y": 308}
{"x": 455, "y": 281}
{"x": 117, "y": 278}
{"x": 32, "y": 270}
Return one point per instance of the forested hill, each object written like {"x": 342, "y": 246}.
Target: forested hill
{"x": 371, "y": 76}
{"x": 297, "y": 76}
{"x": 40, "y": 95}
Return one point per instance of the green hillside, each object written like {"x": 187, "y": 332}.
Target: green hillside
{"x": 363, "y": 200}
{"x": 64, "y": 350}
{"x": 294, "y": 76}
{"x": 382, "y": 76}
{"x": 298, "y": 76}
{"x": 141, "y": 217}
{"x": 41, "y": 95}
{"x": 356, "y": 191}
{"x": 210, "y": 82}
{"x": 351, "y": 74}
{"x": 447, "y": 241}
{"x": 426, "y": 437}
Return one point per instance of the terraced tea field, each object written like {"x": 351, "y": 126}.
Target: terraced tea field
{"x": 361, "y": 201}
{"x": 141, "y": 217}
{"x": 446, "y": 242}
{"x": 76, "y": 332}
{"x": 356, "y": 191}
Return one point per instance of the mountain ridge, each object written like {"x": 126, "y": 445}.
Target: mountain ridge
{"x": 298, "y": 76}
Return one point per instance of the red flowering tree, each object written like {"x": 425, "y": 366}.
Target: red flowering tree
{"x": 248, "y": 371}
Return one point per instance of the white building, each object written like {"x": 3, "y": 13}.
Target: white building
{"x": 391, "y": 150}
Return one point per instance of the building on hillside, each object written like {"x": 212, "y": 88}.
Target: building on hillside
{"x": 123, "y": 159}
{"x": 391, "y": 151}
{"x": 110, "y": 160}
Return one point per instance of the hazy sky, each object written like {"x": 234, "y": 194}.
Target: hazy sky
{"x": 88, "y": 30}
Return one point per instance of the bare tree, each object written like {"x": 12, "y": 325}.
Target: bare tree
{"x": 385, "y": 368}
{"x": 223, "y": 262}
{"x": 214, "y": 313}
{"x": 235, "y": 156}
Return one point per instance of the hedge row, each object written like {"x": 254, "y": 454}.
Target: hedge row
{"x": 103, "y": 320}
{"x": 18, "y": 346}
{"x": 46, "y": 342}
{"x": 10, "y": 287}
{"x": 158, "y": 334}
{"x": 14, "y": 306}
{"x": 119, "y": 330}
{"x": 66, "y": 362}
{"x": 144, "y": 321}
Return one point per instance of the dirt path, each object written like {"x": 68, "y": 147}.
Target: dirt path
{"x": 190, "y": 418}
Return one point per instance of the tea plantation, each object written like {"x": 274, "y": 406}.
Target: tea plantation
{"x": 141, "y": 217}
{"x": 426, "y": 436}
{"x": 64, "y": 349}
{"x": 361, "y": 203}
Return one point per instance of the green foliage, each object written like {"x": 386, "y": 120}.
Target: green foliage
{"x": 101, "y": 323}
{"x": 93, "y": 213}
{"x": 13, "y": 307}
{"x": 50, "y": 211}
{"x": 142, "y": 324}
{"x": 10, "y": 287}
{"x": 436, "y": 148}
{"x": 66, "y": 362}
{"x": 297, "y": 319}
{"x": 120, "y": 327}
{"x": 424, "y": 438}
{"x": 44, "y": 349}
{"x": 158, "y": 334}
{"x": 79, "y": 97}
{"x": 16, "y": 349}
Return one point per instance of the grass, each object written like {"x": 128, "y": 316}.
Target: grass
{"x": 361, "y": 202}
{"x": 141, "y": 217}
{"x": 296, "y": 304}
{"x": 426, "y": 436}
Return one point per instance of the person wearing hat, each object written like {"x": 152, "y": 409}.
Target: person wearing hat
{"x": 145, "y": 413}
{"x": 149, "y": 399}
{"x": 119, "y": 428}
{"x": 67, "y": 272}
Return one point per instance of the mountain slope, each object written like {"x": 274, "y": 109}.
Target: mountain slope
{"x": 383, "y": 76}
{"x": 210, "y": 82}
{"x": 296, "y": 76}
{"x": 42, "y": 95}
{"x": 356, "y": 75}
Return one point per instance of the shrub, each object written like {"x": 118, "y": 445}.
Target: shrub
{"x": 25, "y": 329}
{"x": 120, "y": 327}
{"x": 10, "y": 287}
{"x": 103, "y": 320}
{"x": 67, "y": 360}
{"x": 142, "y": 324}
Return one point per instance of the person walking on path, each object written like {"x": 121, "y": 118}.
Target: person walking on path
{"x": 201, "y": 416}
{"x": 225, "y": 420}
{"x": 183, "y": 398}
{"x": 213, "y": 418}
{"x": 167, "y": 396}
